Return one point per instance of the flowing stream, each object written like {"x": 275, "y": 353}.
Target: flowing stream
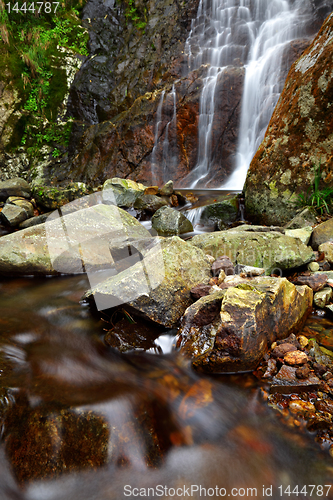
{"x": 253, "y": 33}
{"x": 82, "y": 421}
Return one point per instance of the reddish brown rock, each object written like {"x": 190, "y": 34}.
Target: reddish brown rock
{"x": 298, "y": 137}
{"x": 280, "y": 350}
{"x": 303, "y": 372}
{"x": 199, "y": 291}
{"x": 223, "y": 263}
{"x": 315, "y": 281}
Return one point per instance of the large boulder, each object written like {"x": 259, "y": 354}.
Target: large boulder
{"x": 122, "y": 192}
{"x": 299, "y": 137}
{"x": 231, "y": 330}
{"x": 322, "y": 233}
{"x": 87, "y": 240}
{"x": 271, "y": 250}
{"x": 157, "y": 288}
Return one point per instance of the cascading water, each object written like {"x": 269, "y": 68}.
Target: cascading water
{"x": 253, "y": 33}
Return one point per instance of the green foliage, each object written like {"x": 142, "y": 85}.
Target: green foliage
{"x": 32, "y": 46}
{"x": 319, "y": 199}
{"x": 133, "y": 15}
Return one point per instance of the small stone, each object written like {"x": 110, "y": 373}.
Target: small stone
{"x": 327, "y": 376}
{"x": 330, "y": 382}
{"x": 151, "y": 190}
{"x": 14, "y": 187}
{"x": 319, "y": 369}
{"x": 224, "y": 263}
{"x": 167, "y": 189}
{"x": 12, "y": 215}
{"x": 327, "y": 248}
{"x": 174, "y": 200}
{"x": 287, "y": 374}
{"x": 199, "y": 291}
{"x": 316, "y": 281}
{"x": 299, "y": 406}
{"x": 323, "y": 297}
{"x": 294, "y": 358}
{"x": 249, "y": 271}
{"x": 210, "y": 258}
{"x": 303, "y": 341}
{"x": 221, "y": 277}
{"x": 303, "y": 372}
{"x": 25, "y": 204}
{"x": 313, "y": 266}
{"x": 271, "y": 368}
{"x": 274, "y": 344}
{"x": 280, "y": 350}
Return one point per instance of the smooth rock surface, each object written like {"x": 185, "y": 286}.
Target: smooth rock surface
{"x": 252, "y": 316}
{"x": 121, "y": 192}
{"x": 269, "y": 250}
{"x": 327, "y": 248}
{"x": 158, "y": 288}
{"x": 306, "y": 217}
{"x": 79, "y": 242}
{"x": 150, "y": 203}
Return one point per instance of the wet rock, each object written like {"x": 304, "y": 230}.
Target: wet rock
{"x": 322, "y": 297}
{"x": 295, "y": 358}
{"x": 327, "y": 248}
{"x": 316, "y": 282}
{"x": 168, "y": 222}
{"x": 121, "y": 192}
{"x": 286, "y": 382}
{"x": 243, "y": 335}
{"x": 303, "y": 341}
{"x": 167, "y": 189}
{"x": 299, "y": 406}
{"x": 322, "y": 356}
{"x": 271, "y": 369}
{"x": 14, "y": 187}
{"x": 303, "y": 372}
{"x": 78, "y": 242}
{"x": 322, "y": 234}
{"x": 173, "y": 268}
{"x": 306, "y": 217}
{"x": 126, "y": 336}
{"x": 150, "y": 203}
{"x": 281, "y": 350}
{"x": 199, "y": 291}
{"x": 200, "y": 324}
{"x": 51, "y": 198}
{"x": 12, "y": 215}
{"x": 298, "y": 137}
{"x": 223, "y": 263}
{"x": 224, "y": 212}
{"x": 269, "y": 250}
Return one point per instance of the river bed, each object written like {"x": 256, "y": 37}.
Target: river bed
{"x": 81, "y": 420}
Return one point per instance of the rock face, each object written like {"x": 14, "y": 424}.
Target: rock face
{"x": 231, "y": 330}
{"x": 270, "y": 250}
{"x": 158, "y": 288}
{"x": 84, "y": 241}
{"x": 299, "y": 136}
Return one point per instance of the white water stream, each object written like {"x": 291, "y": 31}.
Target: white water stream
{"x": 253, "y": 33}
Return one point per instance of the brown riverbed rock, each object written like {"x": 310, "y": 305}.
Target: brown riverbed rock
{"x": 299, "y": 136}
{"x": 251, "y": 317}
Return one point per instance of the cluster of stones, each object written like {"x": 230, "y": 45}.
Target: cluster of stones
{"x": 300, "y": 374}
{"x": 15, "y": 196}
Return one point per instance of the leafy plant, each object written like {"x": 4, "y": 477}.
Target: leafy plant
{"x": 319, "y": 199}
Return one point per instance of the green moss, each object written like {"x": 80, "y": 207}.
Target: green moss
{"x": 31, "y": 56}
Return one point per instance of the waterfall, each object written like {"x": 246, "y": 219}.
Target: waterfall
{"x": 253, "y": 33}
{"x": 157, "y": 135}
{"x": 169, "y": 161}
